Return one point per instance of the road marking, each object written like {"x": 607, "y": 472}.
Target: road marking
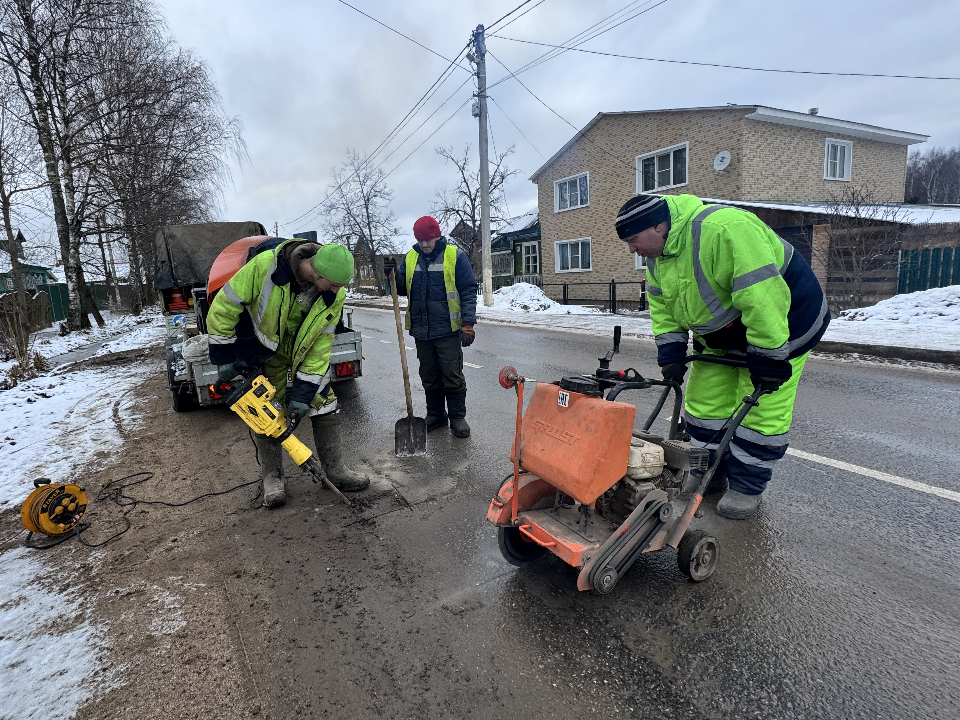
{"x": 472, "y": 365}
{"x": 877, "y": 475}
{"x": 387, "y": 342}
{"x": 368, "y": 337}
{"x": 409, "y": 348}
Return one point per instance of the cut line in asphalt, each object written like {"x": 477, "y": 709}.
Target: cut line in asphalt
{"x": 877, "y": 475}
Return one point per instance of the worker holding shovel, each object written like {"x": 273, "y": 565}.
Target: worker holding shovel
{"x": 441, "y": 289}
{"x": 745, "y": 294}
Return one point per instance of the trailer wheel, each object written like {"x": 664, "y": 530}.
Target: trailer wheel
{"x": 184, "y": 401}
{"x": 698, "y": 555}
{"x": 516, "y": 549}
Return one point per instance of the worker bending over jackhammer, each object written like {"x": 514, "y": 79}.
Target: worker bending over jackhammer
{"x": 745, "y": 293}
{"x": 279, "y": 312}
{"x": 441, "y": 289}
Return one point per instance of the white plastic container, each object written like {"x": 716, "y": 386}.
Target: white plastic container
{"x": 646, "y": 460}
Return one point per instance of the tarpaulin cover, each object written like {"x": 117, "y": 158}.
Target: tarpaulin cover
{"x": 185, "y": 253}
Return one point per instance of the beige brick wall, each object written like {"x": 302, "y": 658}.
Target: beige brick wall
{"x": 613, "y": 181}
{"x": 782, "y": 162}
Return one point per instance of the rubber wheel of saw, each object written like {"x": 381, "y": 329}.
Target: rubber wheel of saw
{"x": 184, "y": 401}
{"x": 517, "y": 550}
{"x": 698, "y": 555}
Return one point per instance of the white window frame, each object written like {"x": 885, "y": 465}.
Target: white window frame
{"x": 556, "y": 192}
{"x": 848, "y": 159}
{"x": 535, "y": 255}
{"x": 639, "y": 169}
{"x": 556, "y": 255}
{"x": 639, "y": 262}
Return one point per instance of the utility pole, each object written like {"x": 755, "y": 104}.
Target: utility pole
{"x": 276, "y": 229}
{"x": 480, "y": 112}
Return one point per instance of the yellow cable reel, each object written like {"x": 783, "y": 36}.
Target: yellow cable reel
{"x": 53, "y": 509}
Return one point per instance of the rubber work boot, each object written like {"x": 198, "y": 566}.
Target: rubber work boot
{"x": 718, "y": 484}
{"x": 457, "y": 407}
{"x": 328, "y": 435}
{"x": 737, "y": 506}
{"x": 270, "y": 454}
{"x": 436, "y": 411}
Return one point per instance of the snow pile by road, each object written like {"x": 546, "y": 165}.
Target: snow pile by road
{"x": 527, "y": 298}
{"x": 939, "y": 306}
{"x": 928, "y": 319}
{"x": 50, "y": 655}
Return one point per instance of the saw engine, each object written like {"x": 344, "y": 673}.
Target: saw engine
{"x": 654, "y": 464}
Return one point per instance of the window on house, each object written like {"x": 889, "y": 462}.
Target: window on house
{"x": 837, "y": 160}
{"x": 572, "y": 255}
{"x": 639, "y": 262}
{"x": 531, "y": 259}
{"x": 571, "y": 192}
{"x": 662, "y": 169}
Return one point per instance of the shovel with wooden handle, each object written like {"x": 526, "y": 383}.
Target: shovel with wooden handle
{"x": 410, "y": 433}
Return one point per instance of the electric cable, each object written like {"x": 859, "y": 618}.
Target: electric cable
{"x": 431, "y": 91}
{"x": 490, "y": 97}
{"x": 525, "y": 2}
{"x": 579, "y": 131}
{"x": 407, "y": 37}
{"x": 521, "y": 14}
{"x": 428, "y": 137}
{"x": 604, "y": 25}
{"x": 732, "y": 67}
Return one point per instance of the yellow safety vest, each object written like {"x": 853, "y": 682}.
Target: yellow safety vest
{"x": 449, "y": 281}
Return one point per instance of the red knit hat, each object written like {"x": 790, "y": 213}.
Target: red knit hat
{"x": 426, "y": 228}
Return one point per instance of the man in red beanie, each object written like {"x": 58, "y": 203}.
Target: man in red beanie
{"x": 442, "y": 309}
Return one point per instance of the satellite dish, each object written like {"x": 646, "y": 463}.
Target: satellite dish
{"x": 721, "y": 161}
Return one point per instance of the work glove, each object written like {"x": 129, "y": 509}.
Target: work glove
{"x": 296, "y": 411}
{"x": 674, "y": 372}
{"x": 767, "y": 374}
{"x": 227, "y": 372}
{"x": 389, "y": 266}
{"x": 467, "y": 335}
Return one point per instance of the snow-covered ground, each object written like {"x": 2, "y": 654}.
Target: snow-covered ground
{"x": 50, "y": 344}
{"x": 53, "y": 426}
{"x": 50, "y": 651}
{"x": 928, "y": 319}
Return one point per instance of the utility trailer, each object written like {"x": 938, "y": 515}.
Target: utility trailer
{"x": 193, "y": 263}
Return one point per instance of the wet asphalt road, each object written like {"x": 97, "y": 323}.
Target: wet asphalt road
{"x": 841, "y": 599}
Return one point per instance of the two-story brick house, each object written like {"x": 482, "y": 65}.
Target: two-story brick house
{"x": 736, "y": 152}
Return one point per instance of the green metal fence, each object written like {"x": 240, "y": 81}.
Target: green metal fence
{"x": 928, "y": 268}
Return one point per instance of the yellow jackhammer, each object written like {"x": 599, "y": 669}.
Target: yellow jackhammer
{"x": 254, "y": 402}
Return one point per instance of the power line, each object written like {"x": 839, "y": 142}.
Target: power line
{"x": 522, "y": 14}
{"x": 431, "y": 91}
{"x": 429, "y": 136}
{"x": 579, "y": 132}
{"x": 342, "y": 2}
{"x": 525, "y": 2}
{"x": 516, "y": 126}
{"x": 579, "y": 39}
{"x": 729, "y": 67}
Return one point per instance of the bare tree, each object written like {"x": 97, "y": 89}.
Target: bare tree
{"x": 865, "y": 242}
{"x": 460, "y": 205}
{"x": 358, "y": 213}
{"x": 933, "y": 176}
{"x": 19, "y": 173}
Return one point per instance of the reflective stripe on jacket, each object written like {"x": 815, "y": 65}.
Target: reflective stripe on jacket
{"x": 441, "y": 290}
{"x": 261, "y": 300}
{"x": 730, "y": 279}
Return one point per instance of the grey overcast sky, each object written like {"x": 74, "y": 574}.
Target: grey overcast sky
{"x": 311, "y": 79}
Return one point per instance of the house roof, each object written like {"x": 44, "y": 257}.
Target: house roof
{"x": 520, "y": 222}
{"x": 765, "y": 114}
{"x": 905, "y": 213}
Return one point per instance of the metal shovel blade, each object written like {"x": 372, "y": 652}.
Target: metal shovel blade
{"x": 411, "y": 436}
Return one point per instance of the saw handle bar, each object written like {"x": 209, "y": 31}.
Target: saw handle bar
{"x": 645, "y": 383}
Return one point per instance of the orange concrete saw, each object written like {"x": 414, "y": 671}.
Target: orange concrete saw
{"x": 595, "y": 492}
